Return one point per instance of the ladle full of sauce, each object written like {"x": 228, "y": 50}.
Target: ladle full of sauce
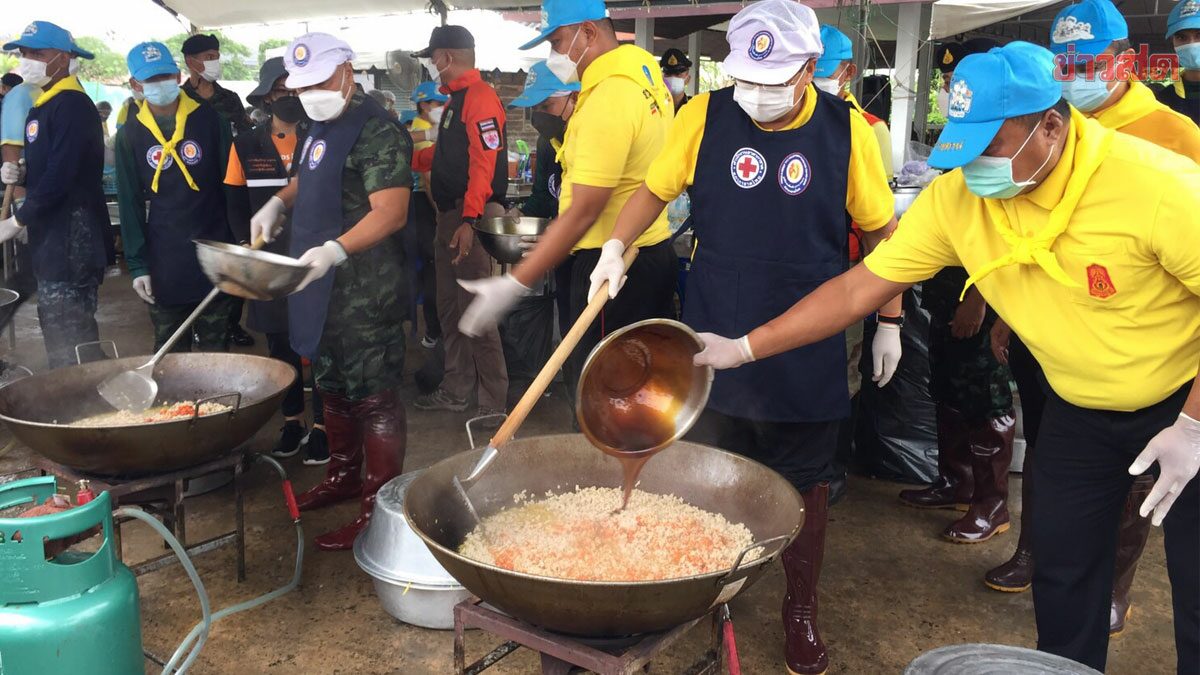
{"x": 639, "y": 392}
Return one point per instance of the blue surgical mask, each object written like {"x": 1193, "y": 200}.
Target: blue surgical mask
{"x": 992, "y": 177}
{"x": 1189, "y": 55}
{"x": 1086, "y": 94}
{"x": 161, "y": 93}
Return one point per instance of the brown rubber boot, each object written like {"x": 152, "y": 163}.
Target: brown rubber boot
{"x": 343, "y": 479}
{"x": 1016, "y": 575}
{"x": 1131, "y": 541}
{"x": 991, "y": 455}
{"x": 385, "y": 436}
{"x": 804, "y": 652}
{"x": 954, "y": 485}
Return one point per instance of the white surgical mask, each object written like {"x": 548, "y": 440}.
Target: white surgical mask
{"x": 73, "y": 66}
{"x": 675, "y": 84}
{"x": 138, "y": 96}
{"x": 323, "y": 105}
{"x": 764, "y": 104}
{"x": 161, "y": 93}
{"x": 562, "y": 66}
{"x": 434, "y": 73}
{"x": 943, "y": 102}
{"x": 829, "y": 85}
{"x": 212, "y": 70}
{"x": 33, "y": 71}
{"x": 435, "y": 115}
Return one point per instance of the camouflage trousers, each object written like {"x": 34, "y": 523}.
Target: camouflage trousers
{"x": 67, "y": 314}
{"x": 211, "y": 329}
{"x": 964, "y": 375}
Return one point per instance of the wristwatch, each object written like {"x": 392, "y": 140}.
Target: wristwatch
{"x": 897, "y": 321}
{"x": 470, "y": 220}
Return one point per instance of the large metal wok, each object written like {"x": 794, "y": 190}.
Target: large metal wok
{"x": 740, "y": 489}
{"x": 38, "y": 410}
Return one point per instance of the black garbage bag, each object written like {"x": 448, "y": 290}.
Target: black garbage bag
{"x": 527, "y": 335}
{"x": 896, "y": 427}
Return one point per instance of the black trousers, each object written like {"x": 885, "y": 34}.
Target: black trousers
{"x": 293, "y": 399}
{"x": 1031, "y": 385}
{"x": 801, "y": 452}
{"x": 424, "y": 218}
{"x": 1082, "y": 480}
{"x": 649, "y": 293}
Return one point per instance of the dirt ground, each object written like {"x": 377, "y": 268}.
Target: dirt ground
{"x": 890, "y": 588}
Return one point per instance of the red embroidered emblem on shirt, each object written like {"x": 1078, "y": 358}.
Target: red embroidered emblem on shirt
{"x": 1100, "y": 284}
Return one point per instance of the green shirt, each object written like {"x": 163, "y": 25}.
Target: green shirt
{"x": 130, "y": 201}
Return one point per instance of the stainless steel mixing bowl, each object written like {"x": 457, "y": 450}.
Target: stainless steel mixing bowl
{"x": 257, "y": 275}
{"x": 501, "y": 237}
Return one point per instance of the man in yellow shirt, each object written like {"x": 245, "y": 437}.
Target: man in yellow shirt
{"x": 775, "y": 168}
{"x": 622, "y": 115}
{"x": 835, "y": 71}
{"x": 1087, "y": 242}
{"x": 1091, "y": 44}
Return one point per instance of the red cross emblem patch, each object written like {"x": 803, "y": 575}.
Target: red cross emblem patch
{"x": 748, "y": 168}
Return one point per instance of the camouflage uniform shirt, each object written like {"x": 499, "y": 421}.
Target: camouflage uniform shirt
{"x": 227, "y": 103}
{"x": 362, "y": 346}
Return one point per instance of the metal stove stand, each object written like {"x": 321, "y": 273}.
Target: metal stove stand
{"x": 562, "y": 654}
{"x": 162, "y": 495}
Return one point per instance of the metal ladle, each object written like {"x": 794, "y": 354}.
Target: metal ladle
{"x": 135, "y": 390}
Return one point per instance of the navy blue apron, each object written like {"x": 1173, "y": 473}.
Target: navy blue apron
{"x": 178, "y": 214}
{"x": 317, "y": 215}
{"x": 769, "y": 212}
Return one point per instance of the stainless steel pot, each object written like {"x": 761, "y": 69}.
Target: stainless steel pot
{"x": 742, "y": 490}
{"x": 501, "y": 236}
{"x": 257, "y": 275}
{"x": 409, "y": 582}
{"x": 904, "y": 198}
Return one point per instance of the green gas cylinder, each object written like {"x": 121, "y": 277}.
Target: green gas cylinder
{"x": 76, "y": 613}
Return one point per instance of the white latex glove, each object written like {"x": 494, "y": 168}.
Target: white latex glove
{"x": 11, "y": 229}
{"x": 12, "y": 173}
{"x": 494, "y": 297}
{"x": 885, "y": 353}
{"x": 528, "y": 241}
{"x": 141, "y": 286}
{"x": 1177, "y": 451}
{"x": 268, "y": 222}
{"x": 611, "y": 268}
{"x": 320, "y": 260}
{"x": 722, "y": 353}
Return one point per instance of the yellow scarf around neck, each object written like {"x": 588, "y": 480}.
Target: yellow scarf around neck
{"x": 187, "y": 105}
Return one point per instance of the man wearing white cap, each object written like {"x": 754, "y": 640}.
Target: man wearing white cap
{"x": 350, "y": 196}
{"x": 776, "y": 169}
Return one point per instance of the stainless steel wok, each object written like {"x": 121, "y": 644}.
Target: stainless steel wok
{"x": 38, "y": 410}
{"x": 740, "y": 489}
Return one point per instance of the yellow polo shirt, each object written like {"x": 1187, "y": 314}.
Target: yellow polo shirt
{"x": 1139, "y": 113}
{"x": 619, "y": 126}
{"x": 1129, "y": 335}
{"x": 868, "y": 198}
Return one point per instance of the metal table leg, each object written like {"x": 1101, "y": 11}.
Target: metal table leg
{"x": 239, "y": 516}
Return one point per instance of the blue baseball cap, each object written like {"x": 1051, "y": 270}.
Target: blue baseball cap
{"x": 1091, "y": 26}
{"x": 428, "y": 91}
{"x": 559, "y": 13}
{"x": 46, "y": 35}
{"x": 1010, "y": 81}
{"x": 149, "y": 59}
{"x": 540, "y": 85}
{"x": 1183, "y": 16}
{"x": 838, "y": 48}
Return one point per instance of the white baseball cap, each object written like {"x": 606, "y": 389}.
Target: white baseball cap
{"x": 770, "y": 40}
{"x": 313, "y": 57}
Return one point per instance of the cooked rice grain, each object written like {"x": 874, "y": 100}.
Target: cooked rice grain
{"x": 577, "y": 536}
{"x": 161, "y": 413}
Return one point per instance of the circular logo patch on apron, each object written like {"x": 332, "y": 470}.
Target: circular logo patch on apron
{"x": 316, "y": 155}
{"x": 552, "y": 185}
{"x": 155, "y": 154}
{"x": 794, "y": 174}
{"x": 748, "y": 168}
{"x": 190, "y": 152}
{"x": 31, "y": 131}
{"x": 761, "y": 45}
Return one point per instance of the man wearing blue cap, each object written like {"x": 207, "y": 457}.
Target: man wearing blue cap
{"x": 348, "y": 200}
{"x": 1183, "y": 30}
{"x": 622, "y": 116}
{"x": 1090, "y": 41}
{"x": 64, "y": 207}
{"x": 1087, "y": 242}
{"x": 172, "y": 153}
{"x": 430, "y": 105}
{"x": 835, "y": 71}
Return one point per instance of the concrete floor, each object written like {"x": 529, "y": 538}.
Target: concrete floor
{"x": 890, "y": 590}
